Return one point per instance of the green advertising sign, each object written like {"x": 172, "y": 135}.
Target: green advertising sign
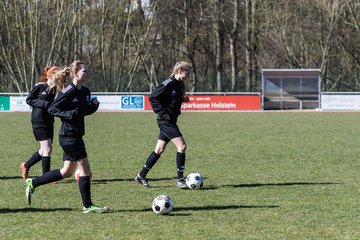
{"x": 4, "y": 103}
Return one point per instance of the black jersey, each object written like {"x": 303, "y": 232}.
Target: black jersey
{"x": 71, "y": 106}
{"x": 166, "y": 99}
{"x": 40, "y": 99}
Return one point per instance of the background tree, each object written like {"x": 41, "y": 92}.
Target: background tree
{"x": 132, "y": 45}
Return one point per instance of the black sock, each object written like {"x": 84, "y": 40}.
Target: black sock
{"x": 36, "y": 157}
{"x": 180, "y": 164}
{"x": 150, "y": 162}
{"x": 84, "y": 186}
{"x": 45, "y": 164}
{"x": 51, "y": 176}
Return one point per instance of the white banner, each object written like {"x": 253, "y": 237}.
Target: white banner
{"x": 107, "y": 103}
{"x": 340, "y": 102}
{"x": 18, "y": 104}
{"x": 112, "y": 103}
{"x": 124, "y": 103}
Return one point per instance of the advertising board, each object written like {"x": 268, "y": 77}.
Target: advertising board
{"x": 218, "y": 103}
{"x": 340, "y": 102}
{"x": 18, "y": 104}
{"x": 4, "y": 103}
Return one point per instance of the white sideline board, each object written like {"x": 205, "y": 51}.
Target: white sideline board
{"x": 112, "y": 103}
{"x": 340, "y": 102}
{"x": 18, "y": 104}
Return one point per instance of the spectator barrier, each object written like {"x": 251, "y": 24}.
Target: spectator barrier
{"x": 140, "y": 102}
{"x": 15, "y": 102}
{"x": 340, "y": 101}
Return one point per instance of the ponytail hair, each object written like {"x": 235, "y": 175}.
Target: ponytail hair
{"x": 59, "y": 81}
{"x": 47, "y": 73}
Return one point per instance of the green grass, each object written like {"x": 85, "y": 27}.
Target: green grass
{"x": 273, "y": 175}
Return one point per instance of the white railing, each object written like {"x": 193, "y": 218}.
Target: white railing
{"x": 147, "y": 93}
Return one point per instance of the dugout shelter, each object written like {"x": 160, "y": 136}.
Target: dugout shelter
{"x": 285, "y": 89}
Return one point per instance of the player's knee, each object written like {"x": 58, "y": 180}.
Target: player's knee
{"x": 159, "y": 151}
{"x": 47, "y": 151}
{"x": 182, "y": 148}
{"x": 66, "y": 173}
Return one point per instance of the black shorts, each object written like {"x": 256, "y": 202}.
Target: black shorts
{"x": 43, "y": 133}
{"x": 74, "y": 151}
{"x": 168, "y": 130}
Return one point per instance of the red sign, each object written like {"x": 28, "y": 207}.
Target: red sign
{"x": 218, "y": 103}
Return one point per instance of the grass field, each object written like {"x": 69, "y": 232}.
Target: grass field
{"x": 274, "y": 175}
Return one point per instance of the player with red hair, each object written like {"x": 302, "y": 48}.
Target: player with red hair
{"x": 42, "y": 122}
{"x": 72, "y": 103}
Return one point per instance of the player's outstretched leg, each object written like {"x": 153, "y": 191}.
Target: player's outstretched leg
{"x": 25, "y": 166}
{"x": 150, "y": 162}
{"x": 29, "y": 189}
{"x": 180, "y": 163}
{"x": 95, "y": 209}
{"x": 24, "y": 171}
{"x": 142, "y": 181}
{"x": 85, "y": 191}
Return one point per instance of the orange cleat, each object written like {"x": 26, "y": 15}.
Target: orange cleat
{"x": 24, "y": 171}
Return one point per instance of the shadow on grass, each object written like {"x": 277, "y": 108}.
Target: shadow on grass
{"x": 9, "y": 177}
{"x": 253, "y": 185}
{"x": 24, "y": 210}
{"x": 95, "y": 181}
{"x": 105, "y": 181}
{"x": 205, "y": 208}
{"x": 206, "y": 187}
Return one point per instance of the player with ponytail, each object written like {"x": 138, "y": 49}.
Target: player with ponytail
{"x": 71, "y": 105}
{"x": 40, "y": 98}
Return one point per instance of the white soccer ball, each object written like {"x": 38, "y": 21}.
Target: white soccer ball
{"x": 195, "y": 180}
{"x": 162, "y": 204}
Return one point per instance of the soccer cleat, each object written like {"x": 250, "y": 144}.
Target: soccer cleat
{"x": 142, "y": 181}
{"x": 181, "y": 183}
{"x": 95, "y": 209}
{"x": 24, "y": 171}
{"x": 29, "y": 189}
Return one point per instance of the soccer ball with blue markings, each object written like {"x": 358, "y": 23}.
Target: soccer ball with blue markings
{"x": 195, "y": 181}
{"x": 162, "y": 204}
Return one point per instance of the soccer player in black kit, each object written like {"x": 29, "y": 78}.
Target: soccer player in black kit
{"x": 166, "y": 100}
{"x": 71, "y": 105}
{"x": 40, "y": 98}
